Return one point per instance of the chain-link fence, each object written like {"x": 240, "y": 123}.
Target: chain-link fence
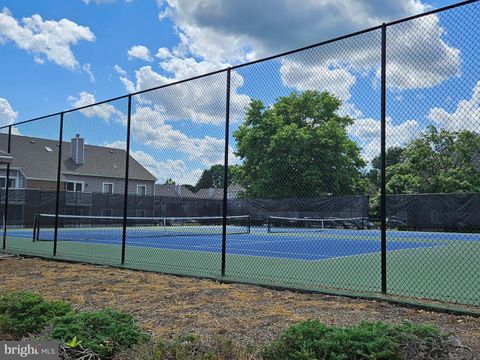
{"x": 353, "y": 164}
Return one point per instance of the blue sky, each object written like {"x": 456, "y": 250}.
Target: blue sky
{"x": 58, "y": 55}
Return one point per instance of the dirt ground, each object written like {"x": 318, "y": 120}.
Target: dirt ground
{"x": 168, "y": 305}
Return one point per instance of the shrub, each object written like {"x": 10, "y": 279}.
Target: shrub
{"x": 183, "y": 348}
{"x": 190, "y": 347}
{"x": 310, "y": 340}
{"x": 24, "y": 313}
{"x": 104, "y": 332}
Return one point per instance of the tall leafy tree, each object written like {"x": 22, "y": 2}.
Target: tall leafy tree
{"x": 213, "y": 177}
{"x": 439, "y": 161}
{"x": 393, "y": 156}
{"x": 298, "y": 147}
{"x": 189, "y": 187}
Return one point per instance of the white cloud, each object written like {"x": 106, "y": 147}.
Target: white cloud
{"x": 335, "y": 80}
{"x": 118, "y": 69}
{"x": 175, "y": 169}
{"x": 39, "y": 60}
{"x": 50, "y": 39}
{"x": 139, "y": 52}
{"x": 367, "y": 134}
{"x": 151, "y": 127}
{"x": 412, "y": 48}
{"x": 88, "y": 69}
{"x": 104, "y": 111}
{"x": 163, "y": 53}
{"x": 235, "y": 28}
{"x": 7, "y": 114}
{"x": 117, "y": 145}
{"x": 218, "y": 32}
{"x": 200, "y": 101}
{"x": 163, "y": 170}
{"x": 465, "y": 117}
{"x": 129, "y": 86}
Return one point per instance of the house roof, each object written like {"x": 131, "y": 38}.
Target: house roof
{"x": 37, "y": 158}
{"x": 236, "y": 188}
{"x": 210, "y": 193}
{"x": 217, "y": 193}
{"x": 5, "y": 157}
{"x": 173, "y": 191}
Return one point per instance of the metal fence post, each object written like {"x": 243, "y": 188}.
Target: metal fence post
{"x": 225, "y": 174}
{"x": 7, "y": 186}
{"x": 57, "y": 200}
{"x": 125, "y": 195}
{"x": 383, "y": 200}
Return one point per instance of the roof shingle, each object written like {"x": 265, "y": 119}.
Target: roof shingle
{"x": 33, "y": 157}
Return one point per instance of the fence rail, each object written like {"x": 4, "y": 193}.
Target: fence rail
{"x": 380, "y": 125}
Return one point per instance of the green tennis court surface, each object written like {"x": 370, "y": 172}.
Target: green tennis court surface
{"x": 440, "y": 266}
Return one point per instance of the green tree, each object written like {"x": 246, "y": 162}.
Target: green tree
{"x": 169, "y": 181}
{"x": 439, "y": 161}
{"x": 393, "y": 156}
{"x": 189, "y": 187}
{"x": 213, "y": 177}
{"x": 298, "y": 147}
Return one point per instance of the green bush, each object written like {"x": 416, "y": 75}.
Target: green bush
{"x": 310, "y": 340}
{"x": 105, "y": 332}
{"x": 24, "y": 313}
{"x": 183, "y": 348}
{"x": 190, "y": 347}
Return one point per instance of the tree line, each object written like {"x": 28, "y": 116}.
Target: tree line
{"x": 299, "y": 147}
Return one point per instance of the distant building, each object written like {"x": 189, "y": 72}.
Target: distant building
{"x": 173, "y": 191}
{"x": 233, "y": 192}
{"x": 84, "y": 168}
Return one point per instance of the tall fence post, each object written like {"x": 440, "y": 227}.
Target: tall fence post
{"x": 7, "y": 186}
{"x": 383, "y": 196}
{"x": 225, "y": 174}
{"x": 57, "y": 200}
{"x": 125, "y": 195}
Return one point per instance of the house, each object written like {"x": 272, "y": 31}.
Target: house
{"x": 84, "y": 168}
{"x": 173, "y": 191}
{"x": 217, "y": 193}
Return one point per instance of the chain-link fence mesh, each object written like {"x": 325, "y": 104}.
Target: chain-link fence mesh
{"x": 38, "y": 141}
{"x": 92, "y": 184}
{"x": 433, "y": 169}
{"x": 302, "y": 204}
{"x": 176, "y": 132}
{"x": 301, "y": 169}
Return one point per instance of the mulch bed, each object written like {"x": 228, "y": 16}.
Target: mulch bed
{"x": 168, "y": 305}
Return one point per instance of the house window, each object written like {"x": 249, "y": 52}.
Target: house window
{"x": 76, "y": 186}
{"x": 108, "y": 188}
{"x": 12, "y": 181}
{"x": 141, "y": 189}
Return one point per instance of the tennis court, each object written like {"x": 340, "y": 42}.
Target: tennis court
{"x": 286, "y": 254}
{"x": 290, "y": 239}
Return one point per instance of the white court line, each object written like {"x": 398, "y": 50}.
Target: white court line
{"x": 318, "y": 256}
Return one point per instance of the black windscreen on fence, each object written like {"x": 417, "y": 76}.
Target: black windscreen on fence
{"x": 321, "y": 207}
{"x": 351, "y": 164}
{"x": 435, "y": 212}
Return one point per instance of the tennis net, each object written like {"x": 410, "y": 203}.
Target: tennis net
{"x": 280, "y": 224}
{"x": 110, "y": 228}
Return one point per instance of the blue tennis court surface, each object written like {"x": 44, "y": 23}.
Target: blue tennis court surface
{"x": 326, "y": 244}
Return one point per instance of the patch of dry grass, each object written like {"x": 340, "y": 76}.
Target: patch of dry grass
{"x": 168, "y": 305}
